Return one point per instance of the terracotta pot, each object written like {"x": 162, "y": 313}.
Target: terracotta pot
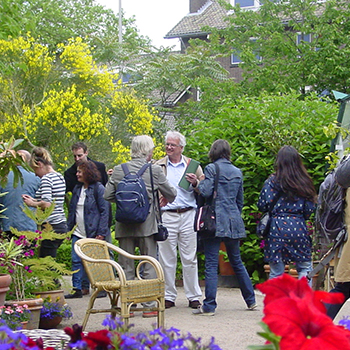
{"x": 24, "y": 324}
{"x": 56, "y": 296}
{"x": 49, "y": 323}
{"x": 225, "y": 267}
{"x": 34, "y": 306}
{"x": 5, "y": 281}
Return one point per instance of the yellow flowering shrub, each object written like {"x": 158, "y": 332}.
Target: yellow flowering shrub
{"x": 54, "y": 99}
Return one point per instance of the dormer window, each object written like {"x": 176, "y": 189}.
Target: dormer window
{"x": 246, "y": 3}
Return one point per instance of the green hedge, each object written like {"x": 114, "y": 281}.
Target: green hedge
{"x": 256, "y": 128}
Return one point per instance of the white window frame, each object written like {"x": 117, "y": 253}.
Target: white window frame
{"x": 255, "y": 5}
{"x": 298, "y": 38}
{"x": 236, "y": 60}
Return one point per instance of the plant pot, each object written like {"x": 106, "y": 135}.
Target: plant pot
{"x": 24, "y": 324}
{"x": 34, "y": 306}
{"x": 225, "y": 267}
{"x": 5, "y": 281}
{"x": 56, "y": 296}
{"x": 49, "y": 323}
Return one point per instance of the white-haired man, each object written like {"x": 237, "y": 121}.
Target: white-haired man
{"x": 178, "y": 217}
{"x": 140, "y": 235}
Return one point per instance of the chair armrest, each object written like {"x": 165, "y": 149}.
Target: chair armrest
{"x": 145, "y": 259}
{"x": 114, "y": 264}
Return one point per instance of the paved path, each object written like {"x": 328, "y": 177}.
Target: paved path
{"x": 233, "y": 327}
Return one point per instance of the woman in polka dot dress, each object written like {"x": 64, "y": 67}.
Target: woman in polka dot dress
{"x": 288, "y": 239}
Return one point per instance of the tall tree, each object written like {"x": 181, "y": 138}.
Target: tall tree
{"x": 275, "y": 47}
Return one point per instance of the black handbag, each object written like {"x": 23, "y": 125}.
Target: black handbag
{"x": 205, "y": 218}
{"x": 162, "y": 234}
{"x": 263, "y": 226}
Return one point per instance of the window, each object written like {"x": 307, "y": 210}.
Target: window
{"x": 236, "y": 59}
{"x": 303, "y": 37}
{"x": 245, "y": 3}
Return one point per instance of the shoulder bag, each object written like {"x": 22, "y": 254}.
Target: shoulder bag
{"x": 162, "y": 234}
{"x": 205, "y": 218}
{"x": 263, "y": 226}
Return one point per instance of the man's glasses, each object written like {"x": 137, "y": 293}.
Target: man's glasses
{"x": 171, "y": 145}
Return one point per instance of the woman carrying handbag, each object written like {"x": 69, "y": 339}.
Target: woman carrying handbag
{"x": 229, "y": 225}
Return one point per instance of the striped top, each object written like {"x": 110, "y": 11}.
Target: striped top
{"x": 53, "y": 187}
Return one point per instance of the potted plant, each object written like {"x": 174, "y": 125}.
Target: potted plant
{"x": 32, "y": 273}
{"x": 52, "y": 313}
{"x": 14, "y": 316}
{"x": 10, "y": 254}
{"x": 43, "y": 273}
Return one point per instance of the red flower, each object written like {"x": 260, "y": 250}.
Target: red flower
{"x": 302, "y": 327}
{"x": 98, "y": 340}
{"x": 286, "y": 286}
{"x": 75, "y": 333}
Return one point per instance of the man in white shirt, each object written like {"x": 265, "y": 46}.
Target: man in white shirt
{"x": 178, "y": 217}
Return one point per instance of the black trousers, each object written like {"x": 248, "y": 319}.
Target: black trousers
{"x": 49, "y": 247}
{"x": 344, "y": 288}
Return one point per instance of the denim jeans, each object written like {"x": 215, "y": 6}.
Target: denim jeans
{"x": 79, "y": 279}
{"x": 303, "y": 268}
{"x": 211, "y": 251}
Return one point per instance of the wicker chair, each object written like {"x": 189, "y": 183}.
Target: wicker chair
{"x": 107, "y": 275}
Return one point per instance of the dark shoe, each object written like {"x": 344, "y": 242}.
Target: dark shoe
{"x": 101, "y": 294}
{"x": 76, "y": 294}
{"x": 194, "y": 304}
{"x": 85, "y": 291}
{"x": 169, "y": 304}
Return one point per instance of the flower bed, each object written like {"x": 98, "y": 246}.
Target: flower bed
{"x": 13, "y": 316}
{"x": 119, "y": 337}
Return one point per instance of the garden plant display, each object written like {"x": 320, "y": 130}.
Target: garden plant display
{"x": 52, "y": 309}
{"x": 14, "y": 315}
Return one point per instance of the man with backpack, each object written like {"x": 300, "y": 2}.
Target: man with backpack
{"x": 342, "y": 252}
{"x": 126, "y": 185}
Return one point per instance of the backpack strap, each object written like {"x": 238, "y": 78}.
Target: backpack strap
{"x": 143, "y": 169}
{"x": 125, "y": 169}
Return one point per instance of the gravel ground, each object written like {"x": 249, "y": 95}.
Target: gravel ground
{"x": 233, "y": 326}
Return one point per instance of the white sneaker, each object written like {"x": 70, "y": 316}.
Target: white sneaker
{"x": 253, "y": 306}
{"x": 200, "y": 312}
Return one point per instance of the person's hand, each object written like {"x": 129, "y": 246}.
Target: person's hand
{"x": 102, "y": 238}
{"x": 163, "y": 201}
{"x": 28, "y": 200}
{"x": 192, "y": 178}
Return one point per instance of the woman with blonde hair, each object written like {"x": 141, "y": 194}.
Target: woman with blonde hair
{"x": 52, "y": 188}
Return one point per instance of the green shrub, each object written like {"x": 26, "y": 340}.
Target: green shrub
{"x": 256, "y": 128}
{"x": 64, "y": 254}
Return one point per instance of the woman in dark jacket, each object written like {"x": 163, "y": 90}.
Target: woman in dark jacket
{"x": 229, "y": 225}
{"x": 288, "y": 239}
{"x": 89, "y": 211}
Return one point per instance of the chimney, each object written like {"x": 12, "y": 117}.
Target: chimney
{"x": 195, "y": 5}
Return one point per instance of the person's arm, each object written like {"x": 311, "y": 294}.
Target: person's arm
{"x": 165, "y": 188}
{"x": 46, "y": 199}
{"x": 104, "y": 176}
{"x": 206, "y": 186}
{"x": 263, "y": 201}
{"x": 111, "y": 186}
{"x": 103, "y": 207}
{"x": 31, "y": 202}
